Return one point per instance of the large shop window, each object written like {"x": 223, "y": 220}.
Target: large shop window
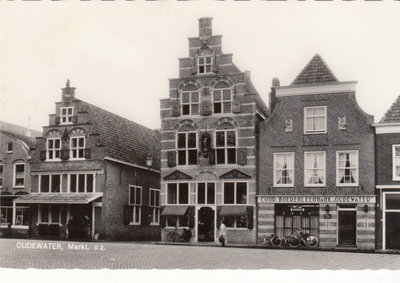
{"x": 81, "y": 183}
{"x": 135, "y": 200}
{"x": 21, "y": 215}
{"x": 177, "y": 221}
{"x": 225, "y": 144}
{"x": 222, "y": 98}
{"x": 154, "y": 205}
{"x": 50, "y": 183}
{"x": 347, "y": 168}
{"x": 235, "y": 193}
{"x": 190, "y": 102}
{"x": 178, "y": 193}
{"x": 205, "y": 193}
{"x": 6, "y": 210}
{"x": 66, "y": 114}
{"x": 235, "y": 221}
{"x": 49, "y": 213}
{"x": 315, "y": 120}
{"x": 396, "y": 162}
{"x": 293, "y": 218}
{"x": 187, "y": 148}
{"x": 284, "y": 169}
{"x": 19, "y": 174}
{"x": 314, "y": 169}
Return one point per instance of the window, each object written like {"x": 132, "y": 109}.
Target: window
{"x": 187, "y": 148}
{"x": 50, "y": 183}
{"x": 235, "y": 193}
{"x": 1, "y": 175}
{"x": 284, "y": 169}
{"x": 6, "y": 210}
{"x": 77, "y": 147}
{"x": 396, "y": 162}
{"x": 225, "y": 144}
{"x": 178, "y": 193}
{"x": 204, "y": 64}
{"x": 205, "y": 193}
{"x": 81, "y": 183}
{"x": 314, "y": 168}
{"x": 190, "y": 102}
{"x": 235, "y": 221}
{"x": 49, "y": 213}
{"x": 177, "y": 221}
{"x": 22, "y": 215}
{"x": 135, "y": 200}
{"x": 155, "y": 206}
{"x": 9, "y": 147}
{"x": 347, "y": 168}
{"x": 53, "y": 148}
{"x": 19, "y": 175}
{"x": 315, "y": 120}
{"x": 66, "y": 115}
{"x": 222, "y": 99}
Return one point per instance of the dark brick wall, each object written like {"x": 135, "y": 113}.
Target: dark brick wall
{"x": 384, "y": 162}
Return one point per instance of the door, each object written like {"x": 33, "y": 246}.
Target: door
{"x": 205, "y": 224}
{"x": 347, "y": 228}
{"x": 392, "y": 230}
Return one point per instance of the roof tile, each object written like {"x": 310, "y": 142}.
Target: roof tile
{"x": 316, "y": 71}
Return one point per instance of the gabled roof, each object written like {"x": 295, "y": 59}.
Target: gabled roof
{"x": 393, "y": 114}
{"x": 315, "y": 72}
{"x": 23, "y": 134}
{"x": 123, "y": 139}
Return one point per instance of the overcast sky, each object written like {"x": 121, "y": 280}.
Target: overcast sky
{"x": 120, "y": 55}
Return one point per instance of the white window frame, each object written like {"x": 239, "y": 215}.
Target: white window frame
{"x": 155, "y": 209}
{"x": 77, "y": 183}
{"x": 190, "y": 103}
{"x": 205, "y": 192}
{"x": 50, "y": 183}
{"x": 67, "y": 116}
{"x": 8, "y": 147}
{"x": 235, "y": 193}
{"x": 221, "y": 90}
{"x": 50, "y": 214}
{"x": 225, "y": 147}
{"x": 136, "y": 205}
{"x": 318, "y": 131}
{"x": 338, "y": 184}
{"x": 77, "y": 148}
{"x": 186, "y": 148}
{"x": 177, "y": 193}
{"x": 395, "y": 159}
{"x": 2, "y": 174}
{"x": 323, "y": 168}
{"x": 53, "y": 150}
{"x": 275, "y": 175}
{"x": 205, "y": 64}
{"x": 15, "y": 174}
{"x": 23, "y": 207}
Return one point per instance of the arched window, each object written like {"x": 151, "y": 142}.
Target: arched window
{"x": 77, "y": 144}
{"x": 53, "y": 145}
{"x": 222, "y": 98}
{"x": 190, "y": 100}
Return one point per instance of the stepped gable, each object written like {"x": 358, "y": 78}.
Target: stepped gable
{"x": 393, "y": 114}
{"x": 315, "y": 72}
{"x": 123, "y": 139}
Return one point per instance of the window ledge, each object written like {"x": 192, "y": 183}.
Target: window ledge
{"x": 233, "y": 228}
{"x": 283, "y": 186}
{"x": 315, "y": 186}
{"x": 154, "y": 224}
{"x": 22, "y": 227}
{"x": 315, "y": 133}
{"x": 133, "y": 224}
{"x": 347, "y": 185}
{"x": 53, "y": 160}
{"x": 4, "y": 225}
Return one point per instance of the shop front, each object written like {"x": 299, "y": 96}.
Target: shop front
{"x": 336, "y": 221}
{"x": 389, "y": 227}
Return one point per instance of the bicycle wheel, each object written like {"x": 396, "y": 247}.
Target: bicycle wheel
{"x": 171, "y": 236}
{"x": 314, "y": 241}
{"x": 275, "y": 241}
{"x": 293, "y": 242}
{"x": 261, "y": 240}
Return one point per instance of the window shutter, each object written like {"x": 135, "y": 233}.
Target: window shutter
{"x": 42, "y": 155}
{"x": 215, "y": 68}
{"x": 163, "y": 219}
{"x": 57, "y": 120}
{"x": 236, "y": 106}
{"x": 205, "y": 107}
{"x": 176, "y": 108}
{"x": 65, "y": 154}
{"x": 127, "y": 214}
{"x": 87, "y": 153}
{"x": 250, "y": 210}
{"x": 211, "y": 156}
{"x": 194, "y": 70}
{"x": 145, "y": 217}
{"x": 191, "y": 211}
{"x": 218, "y": 217}
{"x": 171, "y": 158}
{"x": 74, "y": 119}
{"x": 241, "y": 156}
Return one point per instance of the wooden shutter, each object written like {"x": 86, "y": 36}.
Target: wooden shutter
{"x": 211, "y": 156}
{"x": 74, "y": 119}
{"x": 146, "y": 215}
{"x": 176, "y": 108}
{"x": 127, "y": 214}
{"x": 241, "y": 156}
{"x": 87, "y": 153}
{"x": 190, "y": 212}
{"x": 163, "y": 219}
{"x": 57, "y": 120}
{"x": 194, "y": 70}
{"x": 250, "y": 211}
{"x": 215, "y": 68}
{"x": 236, "y": 106}
{"x": 65, "y": 154}
{"x": 171, "y": 158}
{"x": 42, "y": 155}
{"x": 218, "y": 217}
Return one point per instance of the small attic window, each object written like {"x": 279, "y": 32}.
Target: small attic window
{"x": 66, "y": 114}
{"x": 9, "y": 147}
{"x": 204, "y": 64}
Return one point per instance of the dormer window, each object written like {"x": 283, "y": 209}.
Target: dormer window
{"x": 204, "y": 64}
{"x": 66, "y": 114}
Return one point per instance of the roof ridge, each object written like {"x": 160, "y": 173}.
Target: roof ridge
{"x": 391, "y": 109}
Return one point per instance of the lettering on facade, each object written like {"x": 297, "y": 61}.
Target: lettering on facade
{"x": 316, "y": 199}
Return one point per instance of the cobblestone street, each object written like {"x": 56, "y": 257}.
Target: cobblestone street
{"x": 59, "y": 254}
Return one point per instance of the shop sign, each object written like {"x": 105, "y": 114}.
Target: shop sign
{"x": 327, "y": 216}
{"x": 316, "y": 199}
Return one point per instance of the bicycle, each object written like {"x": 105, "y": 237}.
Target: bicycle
{"x": 264, "y": 239}
{"x": 176, "y": 236}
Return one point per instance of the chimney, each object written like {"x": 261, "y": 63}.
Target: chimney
{"x": 272, "y": 95}
{"x": 205, "y": 27}
{"x": 275, "y": 82}
{"x": 68, "y": 93}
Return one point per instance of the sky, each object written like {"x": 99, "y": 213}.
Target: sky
{"x": 120, "y": 55}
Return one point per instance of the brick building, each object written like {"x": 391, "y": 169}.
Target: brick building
{"x": 317, "y": 169}
{"x": 16, "y": 145}
{"x": 387, "y": 152}
{"x": 209, "y": 144}
{"x": 90, "y": 162}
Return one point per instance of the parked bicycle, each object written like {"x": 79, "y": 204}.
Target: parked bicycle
{"x": 298, "y": 239}
{"x": 179, "y": 236}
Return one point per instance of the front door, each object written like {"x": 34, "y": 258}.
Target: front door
{"x": 392, "y": 230}
{"x": 205, "y": 224}
{"x": 347, "y": 228}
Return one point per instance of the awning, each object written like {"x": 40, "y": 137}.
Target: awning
{"x": 60, "y": 198}
{"x": 177, "y": 210}
{"x": 233, "y": 210}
